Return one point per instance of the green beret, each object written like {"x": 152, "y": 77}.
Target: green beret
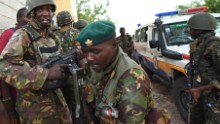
{"x": 96, "y": 33}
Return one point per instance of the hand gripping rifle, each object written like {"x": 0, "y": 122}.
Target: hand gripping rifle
{"x": 73, "y": 69}
{"x": 64, "y": 58}
{"x": 190, "y": 73}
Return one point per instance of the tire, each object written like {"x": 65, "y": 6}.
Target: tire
{"x": 180, "y": 96}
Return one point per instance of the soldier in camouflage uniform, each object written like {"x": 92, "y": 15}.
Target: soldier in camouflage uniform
{"x": 205, "y": 51}
{"x": 117, "y": 90}
{"x": 67, "y": 34}
{"x": 125, "y": 42}
{"x": 37, "y": 102}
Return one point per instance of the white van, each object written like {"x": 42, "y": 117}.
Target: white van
{"x": 162, "y": 49}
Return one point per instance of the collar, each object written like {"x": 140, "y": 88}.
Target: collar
{"x": 204, "y": 37}
{"x": 114, "y": 63}
{"x": 34, "y": 23}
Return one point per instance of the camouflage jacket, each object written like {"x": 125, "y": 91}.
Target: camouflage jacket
{"x": 126, "y": 43}
{"x": 206, "y": 55}
{"x": 132, "y": 93}
{"x": 19, "y": 64}
{"x": 67, "y": 38}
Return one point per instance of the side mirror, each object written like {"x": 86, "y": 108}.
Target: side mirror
{"x": 154, "y": 43}
{"x": 172, "y": 54}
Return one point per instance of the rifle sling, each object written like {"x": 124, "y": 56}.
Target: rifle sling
{"x": 5, "y": 91}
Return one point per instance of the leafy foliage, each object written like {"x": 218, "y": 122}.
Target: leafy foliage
{"x": 195, "y": 3}
{"x": 92, "y": 12}
{"x": 212, "y": 4}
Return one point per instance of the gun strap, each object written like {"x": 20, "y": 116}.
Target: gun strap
{"x": 4, "y": 118}
{"x": 5, "y": 91}
{"x": 33, "y": 34}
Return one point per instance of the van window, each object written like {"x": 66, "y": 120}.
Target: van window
{"x": 137, "y": 35}
{"x": 144, "y": 34}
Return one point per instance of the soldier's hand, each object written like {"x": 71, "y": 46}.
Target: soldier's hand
{"x": 57, "y": 72}
{"x": 195, "y": 93}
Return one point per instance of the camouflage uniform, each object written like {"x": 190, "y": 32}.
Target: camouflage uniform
{"x": 67, "y": 38}
{"x": 67, "y": 34}
{"x": 126, "y": 88}
{"x": 126, "y": 43}
{"x": 206, "y": 54}
{"x": 19, "y": 64}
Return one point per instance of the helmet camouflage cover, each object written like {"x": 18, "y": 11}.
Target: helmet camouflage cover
{"x": 32, "y": 4}
{"x": 202, "y": 21}
{"x": 63, "y": 18}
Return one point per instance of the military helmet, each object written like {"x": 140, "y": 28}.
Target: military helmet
{"x": 32, "y": 4}
{"x": 202, "y": 21}
{"x": 81, "y": 23}
{"x": 63, "y": 18}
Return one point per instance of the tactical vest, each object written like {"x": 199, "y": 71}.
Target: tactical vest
{"x": 124, "y": 63}
{"x": 35, "y": 37}
{"x": 41, "y": 52}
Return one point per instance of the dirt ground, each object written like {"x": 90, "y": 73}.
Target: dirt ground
{"x": 162, "y": 97}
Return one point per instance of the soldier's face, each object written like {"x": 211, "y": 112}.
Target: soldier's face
{"x": 44, "y": 15}
{"x": 194, "y": 33}
{"x": 101, "y": 56}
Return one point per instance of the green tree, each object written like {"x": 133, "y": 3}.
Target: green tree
{"x": 214, "y": 5}
{"x": 92, "y": 11}
{"x": 194, "y": 3}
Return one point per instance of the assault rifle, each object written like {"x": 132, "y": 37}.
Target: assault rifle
{"x": 64, "y": 58}
{"x": 73, "y": 69}
{"x": 190, "y": 73}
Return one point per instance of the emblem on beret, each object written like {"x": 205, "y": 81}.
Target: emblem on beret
{"x": 89, "y": 42}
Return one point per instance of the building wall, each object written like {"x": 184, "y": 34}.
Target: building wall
{"x": 8, "y": 12}
{"x": 68, "y": 5}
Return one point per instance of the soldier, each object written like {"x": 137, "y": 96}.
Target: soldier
{"x": 125, "y": 42}
{"x": 80, "y": 24}
{"x": 117, "y": 90}
{"x": 205, "y": 51}
{"x": 39, "y": 99}
{"x": 22, "y": 20}
{"x": 67, "y": 34}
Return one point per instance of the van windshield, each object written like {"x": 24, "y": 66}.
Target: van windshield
{"x": 177, "y": 33}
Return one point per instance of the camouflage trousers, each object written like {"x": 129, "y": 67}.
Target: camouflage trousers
{"x": 206, "y": 111}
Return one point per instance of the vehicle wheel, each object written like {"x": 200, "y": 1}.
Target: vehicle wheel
{"x": 180, "y": 96}
{"x": 149, "y": 73}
